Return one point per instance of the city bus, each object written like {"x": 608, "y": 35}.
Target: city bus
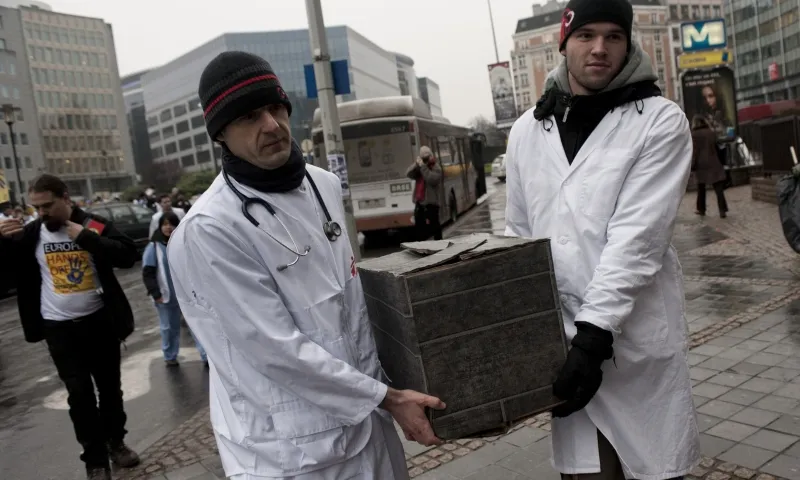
{"x": 382, "y": 138}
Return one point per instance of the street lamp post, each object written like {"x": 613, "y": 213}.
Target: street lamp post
{"x": 8, "y": 115}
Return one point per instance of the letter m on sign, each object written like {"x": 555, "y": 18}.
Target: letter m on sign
{"x": 706, "y": 35}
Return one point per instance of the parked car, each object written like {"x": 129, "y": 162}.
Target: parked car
{"x": 132, "y": 220}
{"x": 499, "y": 167}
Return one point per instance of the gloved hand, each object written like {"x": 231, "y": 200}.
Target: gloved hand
{"x": 581, "y": 375}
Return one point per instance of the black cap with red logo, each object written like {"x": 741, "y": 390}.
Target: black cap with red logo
{"x": 583, "y": 12}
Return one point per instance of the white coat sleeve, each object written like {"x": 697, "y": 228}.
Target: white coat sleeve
{"x": 640, "y": 230}
{"x": 242, "y": 299}
{"x": 517, "y": 223}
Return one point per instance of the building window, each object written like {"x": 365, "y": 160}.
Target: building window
{"x": 203, "y": 156}
{"x": 156, "y": 152}
{"x": 695, "y": 11}
{"x": 170, "y": 148}
{"x": 661, "y": 75}
{"x": 716, "y": 11}
{"x": 179, "y": 110}
{"x": 185, "y": 143}
{"x": 194, "y": 104}
{"x": 187, "y": 161}
{"x": 201, "y": 139}
{"x": 684, "y": 12}
{"x": 168, "y": 132}
{"x": 198, "y": 122}
{"x": 155, "y": 136}
{"x": 9, "y": 165}
{"x": 706, "y": 11}
{"x": 657, "y": 36}
{"x": 2, "y": 44}
{"x": 673, "y": 12}
{"x": 654, "y": 18}
{"x": 23, "y": 138}
{"x": 28, "y": 163}
{"x": 152, "y": 121}
{"x": 676, "y": 35}
{"x": 523, "y": 80}
{"x": 659, "y": 55}
{"x": 3, "y": 139}
{"x": 166, "y": 115}
{"x": 182, "y": 127}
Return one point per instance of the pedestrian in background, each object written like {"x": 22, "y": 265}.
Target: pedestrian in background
{"x": 68, "y": 295}
{"x": 708, "y": 170}
{"x": 165, "y": 204}
{"x": 427, "y": 174}
{"x": 158, "y": 281}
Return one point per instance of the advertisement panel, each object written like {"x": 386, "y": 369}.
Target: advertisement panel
{"x": 711, "y": 94}
{"x": 4, "y": 195}
{"x": 505, "y": 109}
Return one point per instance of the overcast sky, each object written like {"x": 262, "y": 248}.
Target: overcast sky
{"x": 450, "y": 41}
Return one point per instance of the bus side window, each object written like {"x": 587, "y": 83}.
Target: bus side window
{"x": 445, "y": 153}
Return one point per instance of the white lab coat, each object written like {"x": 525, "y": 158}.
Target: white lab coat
{"x": 295, "y": 380}
{"x": 157, "y": 218}
{"x": 610, "y": 216}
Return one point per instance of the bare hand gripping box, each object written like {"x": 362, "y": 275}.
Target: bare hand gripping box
{"x": 473, "y": 320}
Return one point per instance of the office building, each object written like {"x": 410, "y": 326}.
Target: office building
{"x": 16, "y": 89}
{"x": 681, "y": 11}
{"x": 406, "y": 75}
{"x": 133, "y": 94}
{"x": 429, "y": 92}
{"x": 66, "y": 83}
{"x": 765, "y": 36}
{"x": 177, "y": 134}
{"x": 536, "y": 50}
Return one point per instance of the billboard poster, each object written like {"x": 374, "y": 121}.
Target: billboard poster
{"x": 4, "y": 195}
{"x": 505, "y": 109}
{"x": 711, "y": 94}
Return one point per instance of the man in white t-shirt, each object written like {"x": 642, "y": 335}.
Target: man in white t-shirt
{"x": 165, "y": 204}
{"x": 68, "y": 295}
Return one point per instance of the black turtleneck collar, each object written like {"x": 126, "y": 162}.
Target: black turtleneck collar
{"x": 285, "y": 178}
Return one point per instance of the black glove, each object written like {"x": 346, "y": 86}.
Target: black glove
{"x": 581, "y": 375}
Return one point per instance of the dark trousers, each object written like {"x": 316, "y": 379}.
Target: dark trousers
{"x": 426, "y": 221}
{"x": 610, "y": 466}
{"x": 719, "y": 189}
{"x": 83, "y": 350}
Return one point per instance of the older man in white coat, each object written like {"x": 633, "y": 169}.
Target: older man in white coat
{"x": 600, "y": 167}
{"x": 266, "y": 279}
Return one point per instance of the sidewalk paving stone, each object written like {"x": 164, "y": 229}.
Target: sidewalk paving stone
{"x": 742, "y": 286}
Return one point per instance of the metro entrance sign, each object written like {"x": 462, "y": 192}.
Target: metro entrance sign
{"x": 703, "y": 35}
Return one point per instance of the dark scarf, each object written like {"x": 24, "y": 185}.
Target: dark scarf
{"x": 590, "y": 107}
{"x": 282, "y": 179}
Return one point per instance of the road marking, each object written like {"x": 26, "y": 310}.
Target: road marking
{"x": 135, "y": 376}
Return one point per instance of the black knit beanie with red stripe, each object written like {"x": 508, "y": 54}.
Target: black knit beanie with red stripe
{"x": 234, "y": 84}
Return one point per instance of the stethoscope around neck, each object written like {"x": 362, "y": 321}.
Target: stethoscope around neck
{"x": 331, "y": 229}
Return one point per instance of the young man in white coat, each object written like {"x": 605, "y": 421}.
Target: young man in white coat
{"x": 266, "y": 279}
{"x": 600, "y": 167}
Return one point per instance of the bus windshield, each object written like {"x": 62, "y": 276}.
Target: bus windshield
{"x": 378, "y": 151}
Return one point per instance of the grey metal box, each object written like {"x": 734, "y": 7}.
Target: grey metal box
{"x": 473, "y": 320}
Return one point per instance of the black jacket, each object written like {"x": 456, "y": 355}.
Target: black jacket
{"x": 109, "y": 250}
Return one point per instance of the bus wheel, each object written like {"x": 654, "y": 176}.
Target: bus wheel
{"x": 453, "y": 208}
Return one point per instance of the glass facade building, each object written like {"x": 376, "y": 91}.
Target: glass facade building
{"x": 764, "y": 33}
{"x": 177, "y": 134}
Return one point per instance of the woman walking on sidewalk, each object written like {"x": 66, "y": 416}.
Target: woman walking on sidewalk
{"x": 707, "y": 166}
{"x": 158, "y": 280}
